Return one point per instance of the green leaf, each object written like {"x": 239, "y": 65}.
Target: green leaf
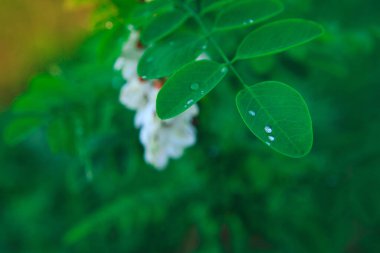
{"x": 111, "y": 45}
{"x": 211, "y": 5}
{"x": 188, "y": 86}
{"x": 277, "y": 37}
{"x": 247, "y": 13}
{"x": 162, "y": 59}
{"x": 162, "y": 25}
{"x": 21, "y": 127}
{"x": 144, "y": 12}
{"x": 61, "y": 135}
{"x": 278, "y": 115}
{"x": 45, "y": 92}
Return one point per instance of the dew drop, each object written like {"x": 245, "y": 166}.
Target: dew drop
{"x": 252, "y": 113}
{"x": 267, "y": 143}
{"x": 268, "y": 129}
{"x": 194, "y": 86}
{"x": 189, "y": 102}
{"x": 271, "y": 138}
{"x": 250, "y": 21}
{"x": 202, "y": 92}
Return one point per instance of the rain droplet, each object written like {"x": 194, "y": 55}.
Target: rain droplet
{"x": 268, "y": 129}
{"x": 202, "y": 92}
{"x": 224, "y": 70}
{"x": 271, "y": 138}
{"x": 267, "y": 143}
{"x": 250, "y": 21}
{"x": 252, "y": 113}
{"x": 190, "y": 102}
{"x": 194, "y": 86}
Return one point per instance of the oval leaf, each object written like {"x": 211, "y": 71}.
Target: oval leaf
{"x": 145, "y": 11}
{"x": 162, "y": 25}
{"x": 277, "y": 37}
{"x": 211, "y": 5}
{"x": 162, "y": 59}
{"x": 278, "y": 116}
{"x": 188, "y": 86}
{"x": 247, "y": 13}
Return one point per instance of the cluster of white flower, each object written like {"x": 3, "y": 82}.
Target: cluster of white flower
{"x": 162, "y": 139}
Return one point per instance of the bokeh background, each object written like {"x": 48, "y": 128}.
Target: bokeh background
{"x": 76, "y": 181}
{"x": 35, "y": 34}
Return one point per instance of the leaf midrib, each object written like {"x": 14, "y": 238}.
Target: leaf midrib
{"x": 271, "y": 118}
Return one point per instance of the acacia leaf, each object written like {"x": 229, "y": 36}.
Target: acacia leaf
{"x": 187, "y": 86}
{"x": 277, "y": 37}
{"x": 162, "y": 25}
{"x": 278, "y": 115}
{"x": 247, "y": 13}
{"x": 165, "y": 57}
{"x": 143, "y": 12}
{"x": 211, "y": 5}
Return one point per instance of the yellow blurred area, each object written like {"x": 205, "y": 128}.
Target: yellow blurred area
{"x": 34, "y": 34}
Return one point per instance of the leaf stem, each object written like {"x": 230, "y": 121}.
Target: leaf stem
{"x": 208, "y": 34}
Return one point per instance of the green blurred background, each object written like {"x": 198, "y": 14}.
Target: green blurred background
{"x": 78, "y": 182}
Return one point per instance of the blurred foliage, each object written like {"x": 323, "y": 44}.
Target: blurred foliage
{"x": 78, "y": 183}
{"x": 29, "y": 39}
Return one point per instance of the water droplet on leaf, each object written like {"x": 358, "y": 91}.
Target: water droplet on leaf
{"x": 268, "y": 129}
{"x": 189, "y": 102}
{"x": 194, "y": 86}
{"x": 271, "y": 138}
{"x": 224, "y": 69}
{"x": 252, "y": 113}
